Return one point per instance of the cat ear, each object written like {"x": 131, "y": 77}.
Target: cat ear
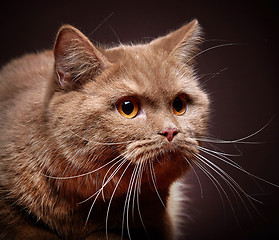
{"x": 182, "y": 43}
{"x": 76, "y": 59}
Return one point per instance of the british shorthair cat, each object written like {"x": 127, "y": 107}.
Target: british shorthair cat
{"x": 94, "y": 141}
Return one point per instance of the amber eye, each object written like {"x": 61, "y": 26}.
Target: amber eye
{"x": 128, "y": 107}
{"x": 179, "y": 105}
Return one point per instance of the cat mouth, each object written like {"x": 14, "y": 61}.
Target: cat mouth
{"x": 169, "y": 147}
{"x": 144, "y": 151}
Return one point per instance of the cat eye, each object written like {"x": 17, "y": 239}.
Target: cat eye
{"x": 127, "y": 107}
{"x": 179, "y": 105}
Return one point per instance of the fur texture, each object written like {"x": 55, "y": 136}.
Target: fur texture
{"x": 71, "y": 166}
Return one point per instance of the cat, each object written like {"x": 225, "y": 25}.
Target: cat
{"x": 95, "y": 141}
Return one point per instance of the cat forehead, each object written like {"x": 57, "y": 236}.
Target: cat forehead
{"x": 142, "y": 71}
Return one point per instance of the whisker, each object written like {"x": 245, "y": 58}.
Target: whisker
{"x": 128, "y": 199}
{"x": 101, "y": 24}
{"x": 135, "y": 190}
{"x": 214, "y": 47}
{"x": 226, "y": 176}
{"x": 97, "y": 193}
{"x": 215, "y": 182}
{"x": 218, "y": 153}
{"x": 153, "y": 177}
{"x": 197, "y": 177}
{"x": 128, "y": 165}
{"x": 138, "y": 193}
{"x": 115, "y": 34}
{"x": 221, "y": 151}
{"x": 213, "y": 75}
{"x": 240, "y": 140}
{"x": 222, "y": 157}
{"x": 220, "y": 141}
{"x": 112, "y": 175}
{"x": 232, "y": 184}
{"x": 230, "y": 162}
{"x": 84, "y": 174}
{"x": 122, "y": 161}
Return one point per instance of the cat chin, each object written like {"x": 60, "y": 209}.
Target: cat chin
{"x": 168, "y": 147}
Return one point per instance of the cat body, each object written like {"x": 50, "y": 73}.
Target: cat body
{"x": 95, "y": 140}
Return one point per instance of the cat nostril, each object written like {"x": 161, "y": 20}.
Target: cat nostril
{"x": 169, "y": 133}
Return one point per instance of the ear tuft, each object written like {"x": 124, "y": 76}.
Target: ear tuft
{"x": 76, "y": 59}
{"x": 182, "y": 43}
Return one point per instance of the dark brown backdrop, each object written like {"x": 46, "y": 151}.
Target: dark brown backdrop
{"x": 244, "y": 93}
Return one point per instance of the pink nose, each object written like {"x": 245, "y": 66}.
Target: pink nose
{"x": 169, "y": 133}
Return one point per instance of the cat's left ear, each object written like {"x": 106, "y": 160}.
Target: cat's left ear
{"x": 77, "y": 60}
{"x": 182, "y": 43}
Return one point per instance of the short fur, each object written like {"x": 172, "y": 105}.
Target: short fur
{"x": 71, "y": 166}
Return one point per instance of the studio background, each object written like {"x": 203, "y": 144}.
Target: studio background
{"x": 240, "y": 73}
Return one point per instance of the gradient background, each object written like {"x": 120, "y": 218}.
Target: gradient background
{"x": 244, "y": 94}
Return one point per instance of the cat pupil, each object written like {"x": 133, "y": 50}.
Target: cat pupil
{"x": 127, "y": 107}
{"x": 178, "y": 104}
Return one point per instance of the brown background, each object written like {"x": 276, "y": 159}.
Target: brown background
{"x": 244, "y": 95}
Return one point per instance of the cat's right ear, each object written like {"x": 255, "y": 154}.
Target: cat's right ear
{"x": 76, "y": 59}
{"x": 182, "y": 43}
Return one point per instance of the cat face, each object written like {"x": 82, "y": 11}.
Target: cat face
{"x": 132, "y": 105}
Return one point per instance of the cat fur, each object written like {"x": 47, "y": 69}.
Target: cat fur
{"x": 58, "y": 120}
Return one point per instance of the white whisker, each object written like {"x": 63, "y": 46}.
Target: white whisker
{"x": 112, "y": 175}
{"x": 226, "y": 177}
{"x": 225, "y": 159}
{"x": 135, "y": 189}
{"x": 218, "y": 153}
{"x": 153, "y": 177}
{"x": 197, "y": 177}
{"x": 97, "y": 193}
{"x": 122, "y": 161}
{"x": 211, "y": 48}
{"x": 213, "y": 75}
{"x": 215, "y": 182}
{"x": 240, "y": 140}
{"x": 232, "y": 184}
{"x": 128, "y": 198}
{"x": 101, "y": 24}
{"x": 138, "y": 193}
{"x": 84, "y": 174}
{"x": 128, "y": 165}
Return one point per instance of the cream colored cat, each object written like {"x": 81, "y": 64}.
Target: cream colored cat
{"x": 93, "y": 141}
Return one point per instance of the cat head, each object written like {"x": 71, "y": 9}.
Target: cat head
{"x": 135, "y": 105}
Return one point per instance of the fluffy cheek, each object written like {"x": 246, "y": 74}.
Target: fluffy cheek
{"x": 121, "y": 130}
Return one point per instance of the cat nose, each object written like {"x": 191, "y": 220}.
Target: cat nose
{"x": 169, "y": 133}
